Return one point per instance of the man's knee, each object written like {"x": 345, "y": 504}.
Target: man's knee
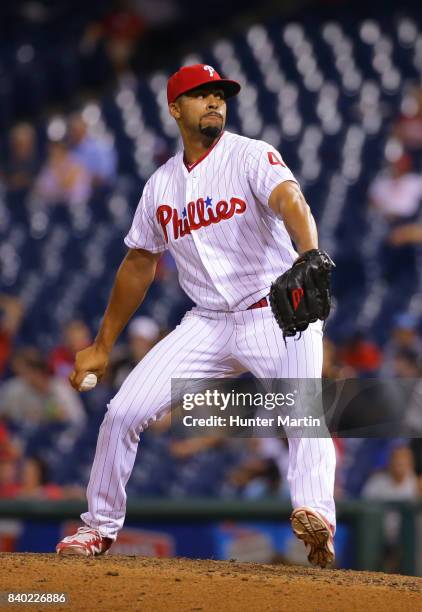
{"x": 130, "y": 418}
{"x": 123, "y": 417}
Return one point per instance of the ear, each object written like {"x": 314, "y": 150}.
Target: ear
{"x": 174, "y": 110}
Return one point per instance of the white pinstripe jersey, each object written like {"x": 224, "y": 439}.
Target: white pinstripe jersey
{"x": 214, "y": 218}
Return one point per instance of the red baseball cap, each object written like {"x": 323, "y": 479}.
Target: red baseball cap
{"x": 190, "y": 77}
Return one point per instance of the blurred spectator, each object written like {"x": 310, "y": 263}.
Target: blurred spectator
{"x": 28, "y": 478}
{"x": 63, "y": 178}
{"x": 407, "y": 367}
{"x": 76, "y": 336}
{"x": 34, "y": 482}
{"x": 143, "y": 334}
{"x": 11, "y": 314}
{"x": 159, "y": 12}
{"x": 34, "y": 396}
{"x": 406, "y": 364}
{"x": 4, "y": 436}
{"x": 361, "y": 457}
{"x": 397, "y": 482}
{"x": 10, "y": 455}
{"x": 361, "y": 354}
{"x": 261, "y": 471}
{"x": 96, "y": 154}
{"x": 413, "y": 421}
{"x": 332, "y": 368}
{"x": 404, "y": 333}
{"x": 9, "y": 484}
{"x": 397, "y": 192}
{"x": 409, "y": 233}
{"x": 408, "y": 128}
{"x": 22, "y": 165}
{"x": 404, "y": 336}
{"x": 256, "y": 478}
{"x": 415, "y": 426}
{"x": 121, "y": 29}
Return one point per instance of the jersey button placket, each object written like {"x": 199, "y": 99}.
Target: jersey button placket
{"x": 188, "y": 189}
{"x": 198, "y": 191}
{"x": 191, "y": 196}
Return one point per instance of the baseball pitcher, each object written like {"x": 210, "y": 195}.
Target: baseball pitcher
{"x": 228, "y": 208}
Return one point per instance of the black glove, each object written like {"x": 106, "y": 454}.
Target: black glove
{"x": 302, "y": 294}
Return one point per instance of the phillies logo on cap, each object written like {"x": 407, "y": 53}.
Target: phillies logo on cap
{"x": 210, "y": 69}
{"x": 192, "y": 77}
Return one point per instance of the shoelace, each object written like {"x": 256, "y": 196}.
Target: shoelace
{"x": 86, "y": 530}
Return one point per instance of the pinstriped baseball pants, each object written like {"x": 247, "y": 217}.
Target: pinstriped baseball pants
{"x": 208, "y": 344}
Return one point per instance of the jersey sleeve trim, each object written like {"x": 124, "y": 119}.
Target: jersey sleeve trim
{"x": 144, "y": 232}
{"x": 135, "y": 245}
{"x": 266, "y": 170}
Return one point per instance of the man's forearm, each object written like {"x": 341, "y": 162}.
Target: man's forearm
{"x": 301, "y": 226}
{"x": 287, "y": 201}
{"x": 131, "y": 284}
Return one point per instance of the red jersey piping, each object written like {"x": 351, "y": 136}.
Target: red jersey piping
{"x": 190, "y": 167}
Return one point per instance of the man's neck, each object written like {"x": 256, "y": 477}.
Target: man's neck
{"x": 195, "y": 148}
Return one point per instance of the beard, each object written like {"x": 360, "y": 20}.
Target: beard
{"x": 211, "y": 131}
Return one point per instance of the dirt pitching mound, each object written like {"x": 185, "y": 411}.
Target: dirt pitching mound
{"x": 137, "y": 583}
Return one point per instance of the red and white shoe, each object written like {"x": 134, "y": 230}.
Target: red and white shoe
{"x": 308, "y": 525}
{"x": 86, "y": 542}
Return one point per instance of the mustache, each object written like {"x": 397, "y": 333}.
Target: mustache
{"x": 211, "y": 113}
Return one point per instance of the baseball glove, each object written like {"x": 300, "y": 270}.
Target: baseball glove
{"x": 302, "y": 294}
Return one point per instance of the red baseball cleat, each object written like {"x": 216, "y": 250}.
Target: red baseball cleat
{"x": 87, "y": 542}
{"x": 317, "y": 534}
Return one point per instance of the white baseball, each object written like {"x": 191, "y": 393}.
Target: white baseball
{"x": 88, "y": 382}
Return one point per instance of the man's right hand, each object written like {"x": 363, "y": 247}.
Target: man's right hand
{"x": 134, "y": 276}
{"x": 92, "y": 359}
